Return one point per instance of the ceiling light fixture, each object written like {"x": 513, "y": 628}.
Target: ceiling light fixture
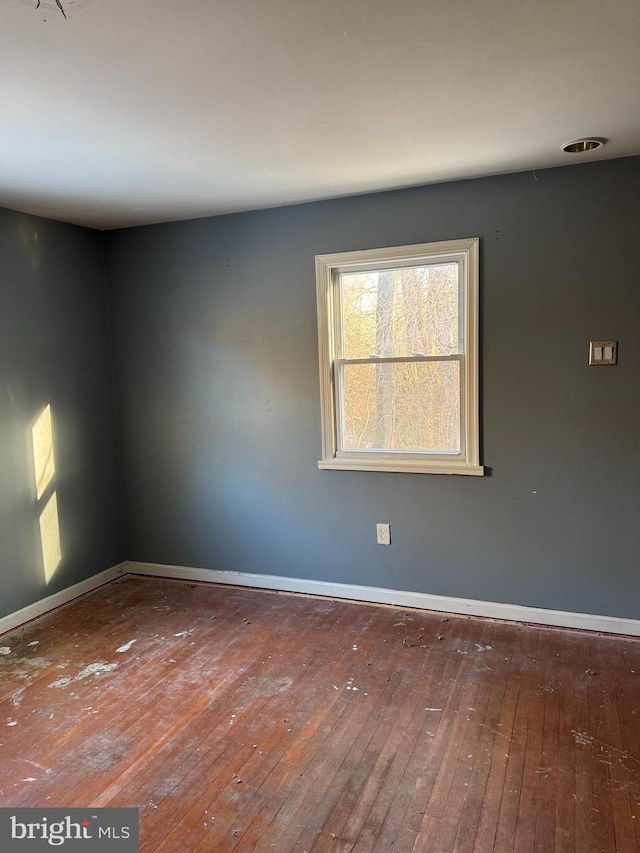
{"x": 581, "y": 145}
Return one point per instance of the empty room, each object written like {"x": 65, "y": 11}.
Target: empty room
{"x": 319, "y": 421}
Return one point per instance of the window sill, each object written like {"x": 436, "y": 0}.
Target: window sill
{"x": 397, "y": 466}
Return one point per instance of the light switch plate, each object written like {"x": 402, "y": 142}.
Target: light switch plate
{"x": 603, "y": 352}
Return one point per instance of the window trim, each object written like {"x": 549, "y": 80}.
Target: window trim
{"x": 329, "y": 335}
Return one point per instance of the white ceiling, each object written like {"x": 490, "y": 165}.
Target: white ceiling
{"x": 138, "y": 111}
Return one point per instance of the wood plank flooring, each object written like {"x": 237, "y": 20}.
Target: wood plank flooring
{"x": 242, "y": 720}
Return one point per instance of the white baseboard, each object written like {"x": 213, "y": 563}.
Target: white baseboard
{"x": 380, "y": 595}
{"x": 353, "y": 592}
{"x": 45, "y": 605}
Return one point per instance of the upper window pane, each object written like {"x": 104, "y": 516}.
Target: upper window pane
{"x": 402, "y": 312}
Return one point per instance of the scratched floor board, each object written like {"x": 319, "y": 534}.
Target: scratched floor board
{"x": 513, "y": 808}
{"x": 628, "y": 701}
{"x": 87, "y": 765}
{"x": 540, "y": 771}
{"x": 613, "y": 756}
{"x": 604, "y": 828}
{"x": 241, "y": 720}
{"x": 486, "y": 744}
{"x": 168, "y": 767}
{"x": 241, "y": 757}
{"x": 207, "y": 688}
{"x": 349, "y": 813}
{"x": 344, "y": 773}
{"x": 308, "y": 808}
{"x": 529, "y": 810}
{"x": 585, "y": 822}
{"x": 450, "y": 797}
{"x": 348, "y": 784}
{"x": 65, "y": 741}
{"x": 413, "y": 739}
{"x": 225, "y": 746}
{"x": 402, "y": 822}
{"x": 546, "y": 774}
{"x": 294, "y": 778}
{"x": 341, "y": 667}
{"x": 513, "y": 643}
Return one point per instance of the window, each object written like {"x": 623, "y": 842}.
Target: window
{"x": 398, "y": 340}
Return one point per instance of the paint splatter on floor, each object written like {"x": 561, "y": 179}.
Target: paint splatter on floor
{"x": 92, "y": 669}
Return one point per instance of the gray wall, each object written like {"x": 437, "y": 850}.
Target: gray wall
{"x": 217, "y": 381}
{"x": 54, "y": 350}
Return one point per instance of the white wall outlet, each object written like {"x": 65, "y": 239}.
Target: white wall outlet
{"x": 383, "y": 532}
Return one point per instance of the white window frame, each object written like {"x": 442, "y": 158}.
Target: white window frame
{"x": 328, "y": 270}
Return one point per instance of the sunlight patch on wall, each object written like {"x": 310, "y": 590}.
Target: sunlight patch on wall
{"x": 50, "y": 535}
{"x": 44, "y": 471}
{"x": 43, "y": 452}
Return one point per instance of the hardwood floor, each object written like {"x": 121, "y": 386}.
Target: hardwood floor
{"x": 241, "y": 720}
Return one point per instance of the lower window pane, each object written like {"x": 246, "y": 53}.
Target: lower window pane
{"x": 408, "y": 406}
